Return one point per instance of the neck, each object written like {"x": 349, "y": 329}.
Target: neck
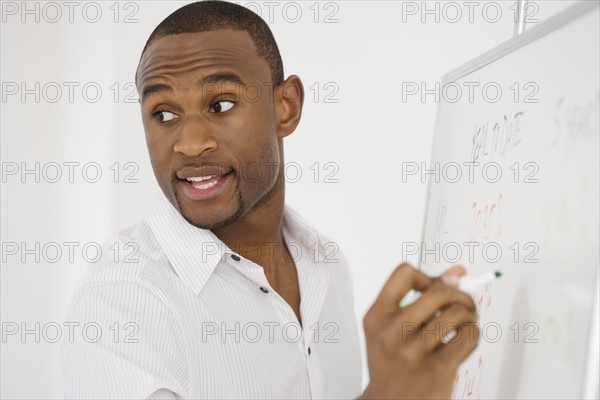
{"x": 257, "y": 235}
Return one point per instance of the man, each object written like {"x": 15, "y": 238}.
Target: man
{"x": 227, "y": 294}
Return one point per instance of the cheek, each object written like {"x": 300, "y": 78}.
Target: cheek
{"x": 263, "y": 164}
{"x": 252, "y": 135}
{"x": 154, "y": 148}
{"x": 155, "y": 141}
{"x": 159, "y": 153}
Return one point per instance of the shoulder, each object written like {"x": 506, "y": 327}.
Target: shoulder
{"x": 335, "y": 257}
{"x": 130, "y": 280}
{"x": 125, "y": 340}
{"x": 324, "y": 248}
{"x": 130, "y": 260}
{"x": 126, "y": 281}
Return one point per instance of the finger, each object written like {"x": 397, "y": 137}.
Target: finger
{"x": 444, "y": 327}
{"x": 452, "y": 275}
{"x": 460, "y": 347}
{"x": 438, "y": 296}
{"x": 404, "y": 278}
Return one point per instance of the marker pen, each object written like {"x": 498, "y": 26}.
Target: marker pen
{"x": 468, "y": 284}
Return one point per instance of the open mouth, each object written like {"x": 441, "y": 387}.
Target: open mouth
{"x": 205, "y": 187}
{"x": 204, "y": 182}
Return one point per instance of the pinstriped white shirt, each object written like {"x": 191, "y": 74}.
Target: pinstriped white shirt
{"x": 177, "y": 314}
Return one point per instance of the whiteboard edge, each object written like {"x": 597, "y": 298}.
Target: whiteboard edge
{"x": 591, "y": 383}
{"x": 570, "y": 14}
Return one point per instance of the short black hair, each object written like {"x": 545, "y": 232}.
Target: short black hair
{"x": 211, "y": 15}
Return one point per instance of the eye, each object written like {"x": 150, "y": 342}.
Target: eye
{"x": 164, "y": 116}
{"x": 222, "y": 106}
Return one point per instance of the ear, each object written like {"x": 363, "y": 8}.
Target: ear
{"x": 289, "y": 98}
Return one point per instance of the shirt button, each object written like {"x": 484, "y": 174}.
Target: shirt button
{"x": 264, "y": 289}
{"x": 309, "y": 351}
{"x": 235, "y": 257}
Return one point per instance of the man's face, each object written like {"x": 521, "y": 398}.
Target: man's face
{"x": 213, "y": 142}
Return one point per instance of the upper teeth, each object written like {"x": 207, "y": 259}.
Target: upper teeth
{"x": 200, "y": 178}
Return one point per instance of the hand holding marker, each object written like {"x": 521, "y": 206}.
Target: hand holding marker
{"x": 468, "y": 284}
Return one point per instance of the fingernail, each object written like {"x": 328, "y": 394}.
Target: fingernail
{"x": 450, "y": 280}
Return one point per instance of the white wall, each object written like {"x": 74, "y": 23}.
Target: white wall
{"x": 368, "y": 54}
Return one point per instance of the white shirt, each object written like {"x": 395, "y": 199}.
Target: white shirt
{"x": 168, "y": 312}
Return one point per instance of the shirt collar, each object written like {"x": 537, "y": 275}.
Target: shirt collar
{"x": 194, "y": 253}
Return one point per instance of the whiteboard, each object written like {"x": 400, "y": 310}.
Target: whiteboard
{"x": 514, "y": 186}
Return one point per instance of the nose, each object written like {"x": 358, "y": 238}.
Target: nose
{"x": 194, "y": 137}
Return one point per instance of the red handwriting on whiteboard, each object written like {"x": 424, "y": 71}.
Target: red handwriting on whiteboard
{"x": 483, "y": 299}
{"x": 469, "y": 387}
{"x": 469, "y": 382}
{"x": 480, "y": 378}
{"x": 486, "y": 222}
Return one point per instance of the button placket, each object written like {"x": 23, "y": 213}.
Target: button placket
{"x": 286, "y": 314}
{"x": 250, "y": 271}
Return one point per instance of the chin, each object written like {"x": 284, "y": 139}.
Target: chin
{"x": 204, "y": 218}
{"x": 207, "y": 222}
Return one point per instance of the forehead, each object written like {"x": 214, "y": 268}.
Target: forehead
{"x": 181, "y": 53}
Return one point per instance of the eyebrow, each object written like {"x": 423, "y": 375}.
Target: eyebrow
{"x": 211, "y": 79}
